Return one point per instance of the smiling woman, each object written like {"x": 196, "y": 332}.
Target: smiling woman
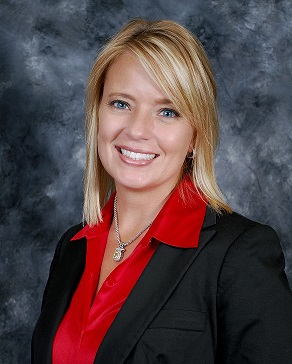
{"x": 176, "y": 65}
{"x": 160, "y": 270}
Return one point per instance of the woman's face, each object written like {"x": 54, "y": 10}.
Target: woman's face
{"x": 142, "y": 139}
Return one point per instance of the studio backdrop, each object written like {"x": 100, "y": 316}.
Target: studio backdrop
{"x": 47, "y": 48}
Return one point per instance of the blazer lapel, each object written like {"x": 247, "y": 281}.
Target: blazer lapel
{"x": 149, "y": 295}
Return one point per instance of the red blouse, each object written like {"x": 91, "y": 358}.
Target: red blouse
{"x": 88, "y": 317}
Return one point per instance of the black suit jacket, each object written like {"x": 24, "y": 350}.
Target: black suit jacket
{"x": 227, "y": 301}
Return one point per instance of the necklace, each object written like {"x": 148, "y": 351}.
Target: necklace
{"x": 120, "y": 249}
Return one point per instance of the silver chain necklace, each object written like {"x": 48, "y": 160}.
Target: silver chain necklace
{"x": 120, "y": 249}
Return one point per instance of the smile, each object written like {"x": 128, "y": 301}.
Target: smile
{"x": 137, "y": 156}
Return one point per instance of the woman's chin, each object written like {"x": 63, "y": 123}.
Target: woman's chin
{"x": 133, "y": 185}
{"x": 146, "y": 184}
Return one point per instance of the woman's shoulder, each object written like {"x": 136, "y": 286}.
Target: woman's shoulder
{"x": 238, "y": 224}
{"x": 236, "y": 236}
{"x": 66, "y": 238}
{"x": 249, "y": 245}
{"x": 73, "y": 230}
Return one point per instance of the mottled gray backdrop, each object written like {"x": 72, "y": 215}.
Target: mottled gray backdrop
{"x": 46, "y": 51}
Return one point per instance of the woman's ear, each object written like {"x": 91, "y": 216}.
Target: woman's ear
{"x": 191, "y": 146}
{"x": 192, "y": 142}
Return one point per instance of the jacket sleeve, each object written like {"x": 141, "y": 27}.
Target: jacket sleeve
{"x": 254, "y": 301}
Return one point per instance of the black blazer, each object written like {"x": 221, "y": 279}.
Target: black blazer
{"x": 227, "y": 301}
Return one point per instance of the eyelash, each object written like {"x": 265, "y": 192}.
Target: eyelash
{"x": 112, "y": 103}
{"x": 176, "y": 114}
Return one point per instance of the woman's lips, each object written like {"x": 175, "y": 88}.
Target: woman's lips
{"x": 136, "y": 156}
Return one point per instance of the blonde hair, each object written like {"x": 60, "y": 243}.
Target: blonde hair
{"x": 176, "y": 60}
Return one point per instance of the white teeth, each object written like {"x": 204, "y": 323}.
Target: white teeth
{"x": 137, "y": 156}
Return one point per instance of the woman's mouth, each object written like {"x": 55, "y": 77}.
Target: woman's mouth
{"x": 137, "y": 156}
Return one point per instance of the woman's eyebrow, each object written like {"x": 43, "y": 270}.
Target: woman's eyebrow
{"x": 163, "y": 101}
{"x": 122, "y": 95}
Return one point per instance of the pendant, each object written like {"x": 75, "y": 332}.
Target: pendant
{"x": 119, "y": 253}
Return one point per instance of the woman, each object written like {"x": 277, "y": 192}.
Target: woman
{"x": 162, "y": 271}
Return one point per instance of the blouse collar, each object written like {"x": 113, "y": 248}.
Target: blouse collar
{"x": 178, "y": 223}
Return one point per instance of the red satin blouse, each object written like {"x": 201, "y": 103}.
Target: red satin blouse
{"x": 88, "y": 317}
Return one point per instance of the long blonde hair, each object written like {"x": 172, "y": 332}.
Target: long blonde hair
{"x": 176, "y": 60}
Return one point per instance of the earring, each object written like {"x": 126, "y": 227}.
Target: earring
{"x": 191, "y": 155}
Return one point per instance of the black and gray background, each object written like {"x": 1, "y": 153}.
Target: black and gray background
{"x": 46, "y": 51}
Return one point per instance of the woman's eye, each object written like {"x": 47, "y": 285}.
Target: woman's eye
{"x": 120, "y": 104}
{"x": 168, "y": 113}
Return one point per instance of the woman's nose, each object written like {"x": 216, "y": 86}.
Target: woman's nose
{"x": 140, "y": 125}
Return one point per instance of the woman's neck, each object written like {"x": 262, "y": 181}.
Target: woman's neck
{"x": 137, "y": 208}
